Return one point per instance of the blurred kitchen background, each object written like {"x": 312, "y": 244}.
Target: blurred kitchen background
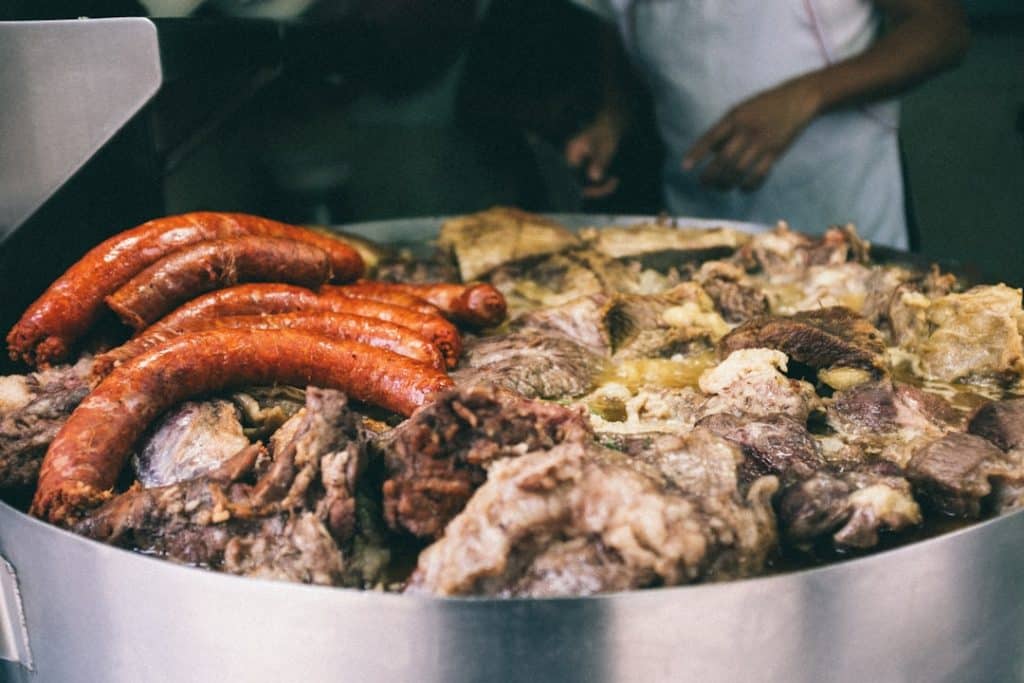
{"x": 395, "y": 108}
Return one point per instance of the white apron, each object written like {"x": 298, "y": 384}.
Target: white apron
{"x": 702, "y": 57}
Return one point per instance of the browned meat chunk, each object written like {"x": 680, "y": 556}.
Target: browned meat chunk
{"x": 436, "y": 459}
{"x": 735, "y": 297}
{"x": 784, "y": 254}
{"x": 570, "y": 520}
{"x": 957, "y": 473}
{"x": 646, "y": 326}
{"x": 1001, "y": 422}
{"x": 852, "y": 507}
{"x": 294, "y": 518}
{"x": 581, "y": 321}
{"x": 891, "y": 419}
{"x": 698, "y": 462}
{"x": 533, "y": 364}
{"x": 824, "y": 339}
{"x": 33, "y": 408}
{"x": 776, "y": 444}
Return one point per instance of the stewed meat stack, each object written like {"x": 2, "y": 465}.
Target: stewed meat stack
{"x": 665, "y": 405}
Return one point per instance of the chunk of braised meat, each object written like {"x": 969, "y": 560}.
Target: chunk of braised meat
{"x": 851, "y": 507}
{"x": 775, "y": 444}
{"x": 1001, "y": 422}
{"x": 578, "y": 519}
{"x": 661, "y": 325}
{"x": 824, "y": 339}
{"x": 33, "y": 408}
{"x": 784, "y": 254}
{"x": 735, "y": 297}
{"x": 959, "y": 472}
{"x": 533, "y": 364}
{"x": 890, "y": 418}
{"x": 293, "y": 519}
{"x": 436, "y": 459}
{"x": 580, "y": 320}
{"x": 698, "y": 462}
{"x": 752, "y": 382}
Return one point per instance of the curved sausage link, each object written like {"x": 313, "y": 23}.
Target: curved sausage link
{"x": 276, "y": 298}
{"x": 198, "y": 268}
{"x": 389, "y": 295}
{"x": 85, "y": 458}
{"x": 435, "y": 328}
{"x": 73, "y": 302}
{"x": 478, "y": 305}
{"x": 342, "y": 326}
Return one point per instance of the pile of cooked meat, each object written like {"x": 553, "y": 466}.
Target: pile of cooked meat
{"x": 528, "y": 411}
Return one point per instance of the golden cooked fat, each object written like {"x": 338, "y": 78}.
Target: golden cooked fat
{"x": 973, "y": 335}
{"x": 645, "y": 238}
{"x": 483, "y": 241}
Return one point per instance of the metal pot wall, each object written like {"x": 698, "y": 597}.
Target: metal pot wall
{"x": 950, "y": 608}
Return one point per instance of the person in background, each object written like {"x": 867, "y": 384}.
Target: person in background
{"x": 774, "y": 109}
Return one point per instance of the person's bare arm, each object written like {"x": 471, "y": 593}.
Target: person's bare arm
{"x": 925, "y": 37}
{"x": 594, "y": 147}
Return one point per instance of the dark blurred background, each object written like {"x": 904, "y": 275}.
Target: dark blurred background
{"x": 390, "y": 108}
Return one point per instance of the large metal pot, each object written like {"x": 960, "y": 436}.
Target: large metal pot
{"x": 950, "y": 608}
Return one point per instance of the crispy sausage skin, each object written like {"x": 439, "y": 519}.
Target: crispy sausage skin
{"x": 477, "y": 305}
{"x": 85, "y": 458}
{"x": 275, "y": 298}
{"x": 66, "y": 310}
{"x": 387, "y": 295}
{"x": 215, "y": 264}
{"x": 342, "y": 326}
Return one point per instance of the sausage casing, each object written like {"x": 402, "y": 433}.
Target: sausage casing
{"x": 200, "y": 267}
{"x": 387, "y": 295}
{"x": 477, "y": 305}
{"x": 85, "y": 458}
{"x": 342, "y": 326}
{"x": 73, "y": 302}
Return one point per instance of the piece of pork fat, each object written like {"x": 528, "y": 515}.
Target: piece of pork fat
{"x": 578, "y": 519}
{"x": 437, "y": 458}
{"x": 190, "y": 440}
{"x": 842, "y": 346}
{"x": 848, "y": 506}
{"x": 752, "y": 382}
{"x": 294, "y": 519}
{"x": 890, "y": 419}
{"x": 534, "y": 364}
{"x": 958, "y": 473}
{"x": 969, "y": 337}
{"x": 33, "y": 408}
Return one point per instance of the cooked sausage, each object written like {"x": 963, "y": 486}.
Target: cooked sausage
{"x": 85, "y": 458}
{"x": 200, "y": 267}
{"x": 387, "y": 295}
{"x": 342, "y": 326}
{"x": 276, "y": 298}
{"x": 50, "y": 326}
{"x": 478, "y": 305}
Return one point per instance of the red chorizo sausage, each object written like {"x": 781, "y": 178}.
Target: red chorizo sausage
{"x": 200, "y": 267}
{"x": 342, "y": 326}
{"x": 479, "y": 305}
{"x": 66, "y": 310}
{"x": 276, "y": 298}
{"x": 85, "y": 458}
{"x": 395, "y": 297}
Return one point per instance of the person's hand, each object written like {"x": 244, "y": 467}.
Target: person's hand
{"x": 742, "y": 147}
{"x": 593, "y": 149}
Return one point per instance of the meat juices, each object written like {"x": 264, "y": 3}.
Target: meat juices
{"x": 50, "y": 326}
{"x": 83, "y": 461}
{"x": 198, "y": 268}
